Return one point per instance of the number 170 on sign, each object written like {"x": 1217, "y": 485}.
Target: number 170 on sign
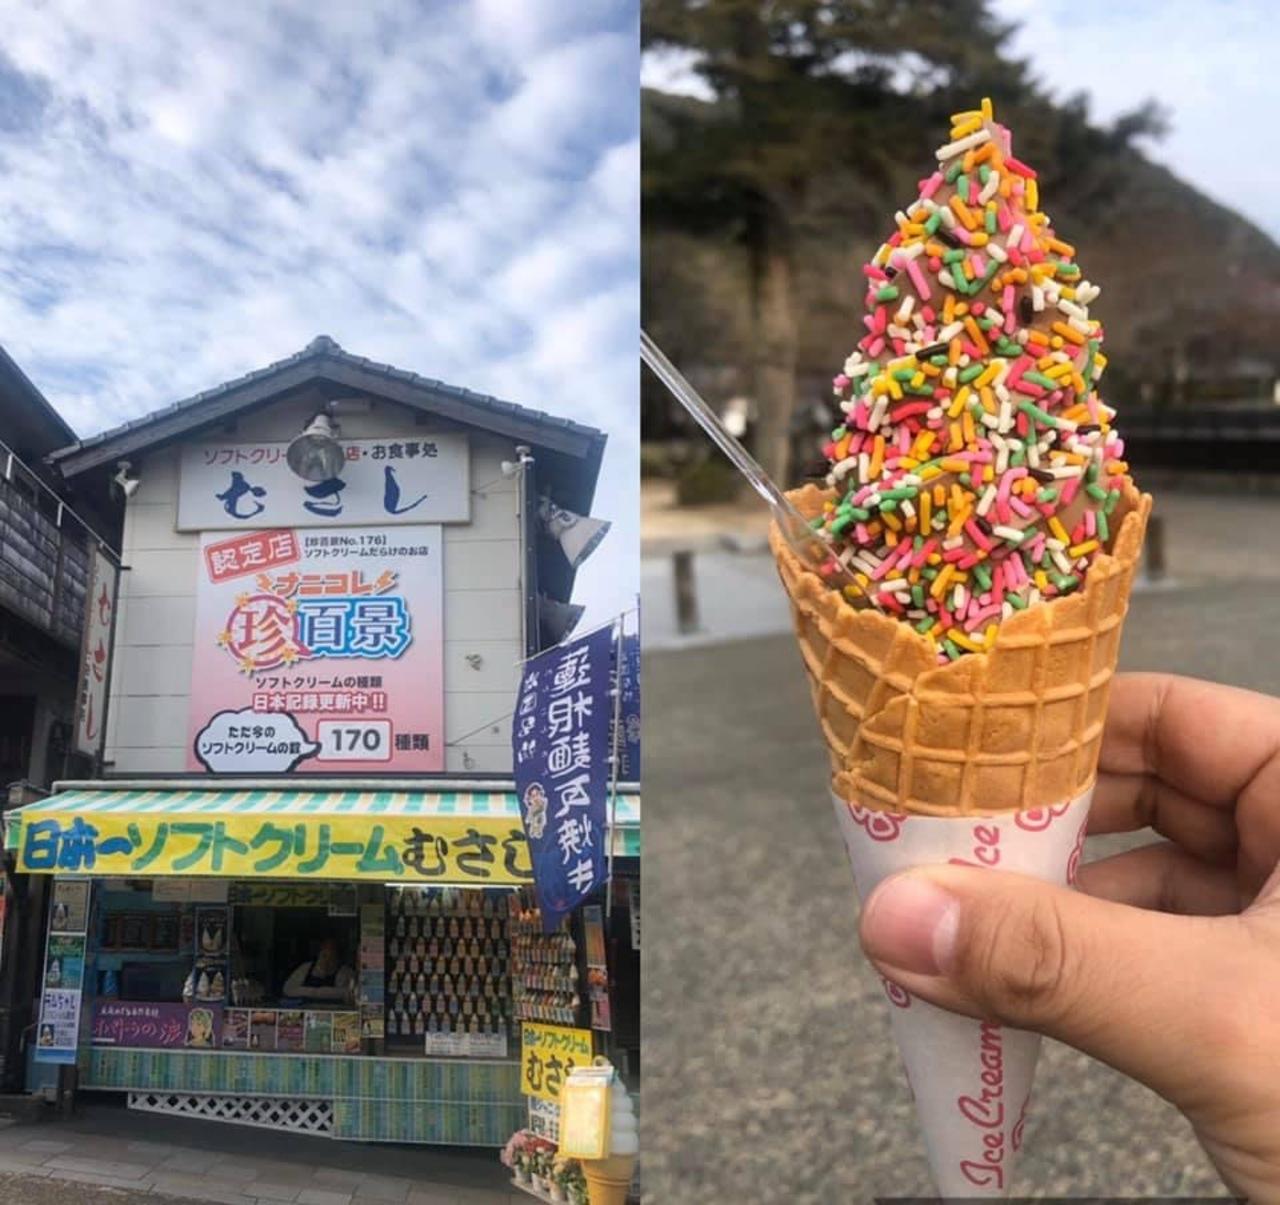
{"x": 366, "y": 740}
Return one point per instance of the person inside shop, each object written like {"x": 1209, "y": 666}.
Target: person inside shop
{"x": 325, "y": 977}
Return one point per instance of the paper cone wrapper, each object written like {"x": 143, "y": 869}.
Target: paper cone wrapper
{"x": 609, "y": 1180}
{"x": 971, "y": 1080}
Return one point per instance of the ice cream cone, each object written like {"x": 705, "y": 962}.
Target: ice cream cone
{"x": 989, "y": 760}
{"x": 608, "y": 1180}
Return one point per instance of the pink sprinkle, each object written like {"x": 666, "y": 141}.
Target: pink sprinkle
{"x": 977, "y": 536}
{"x": 935, "y": 264}
{"x": 1030, "y": 388}
{"x": 861, "y": 533}
{"x": 1021, "y": 508}
{"x": 880, "y": 319}
{"x": 1090, "y": 524}
{"x": 1006, "y": 304}
{"x": 954, "y": 554}
{"x": 970, "y": 349}
{"x": 840, "y": 383}
{"x": 997, "y": 584}
{"x": 875, "y": 272}
{"x": 921, "y": 557}
{"x": 1070, "y": 490}
{"x": 976, "y": 621}
{"x": 1003, "y": 513}
{"x": 977, "y": 264}
{"x": 975, "y": 478}
{"x": 930, "y": 186}
{"x": 918, "y": 280}
{"x": 1037, "y": 546}
{"x": 1004, "y": 218}
{"x": 978, "y": 308}
{"x": 1015, "y": 257}
{"x": 969, "y": 561}
{"x": 895, "y": 239}
{"x": 927, "y": 313}
{"x": 1016, "y": 165}
{"x": 876, "y": 346}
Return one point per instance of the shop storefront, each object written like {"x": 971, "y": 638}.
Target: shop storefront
{"x": 357, "y": 964}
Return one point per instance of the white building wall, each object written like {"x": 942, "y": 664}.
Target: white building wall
{"x": 151, "y": 677}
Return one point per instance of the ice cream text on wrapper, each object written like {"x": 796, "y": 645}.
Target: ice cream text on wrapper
{"x": 976, "y": 471}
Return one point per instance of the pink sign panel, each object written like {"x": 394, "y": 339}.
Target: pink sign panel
{"x": 318, "y": 651}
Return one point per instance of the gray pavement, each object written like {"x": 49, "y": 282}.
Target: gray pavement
{"x": 770, "y": 1073}
{"x": 110, "y": 1155}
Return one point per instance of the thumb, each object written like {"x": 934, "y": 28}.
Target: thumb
{"x": 1146, "y": 992}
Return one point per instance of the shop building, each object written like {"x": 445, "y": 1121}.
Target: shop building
{"x": 297, "y": 894}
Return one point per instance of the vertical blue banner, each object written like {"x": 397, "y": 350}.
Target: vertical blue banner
{"x": 629, "y": 712}
{"x": 560, "y": 747}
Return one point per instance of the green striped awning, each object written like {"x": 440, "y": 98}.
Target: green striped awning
{"x": 390, "y": 835}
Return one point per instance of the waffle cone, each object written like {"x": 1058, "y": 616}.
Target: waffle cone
{"x": 1014, "y": 728}
{"x": 609, "y": 1180}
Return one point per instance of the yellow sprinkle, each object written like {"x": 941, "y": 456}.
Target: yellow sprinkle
{"x": 940, "y": 582}
{"x": 964, "y": 640}
{"x": 958, "y": 402}
{"x": 955, "y": 466}
{"x": 1042, "y": 581}
{"x": 988, "y": 113}
{"x": 1059, "y": 532}
{"x": 1083, "y": 549}
{"x": 926, "y": 510}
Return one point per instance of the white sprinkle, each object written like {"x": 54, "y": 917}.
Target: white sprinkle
{"x": 1006, "y": 414}
{"x": 952, "y": 149}
{"x": 1079, "y": 324}
{"x": 987, "y": 501}
{"x": 1002, "y": 458}
{"x": 1015, "y": 237}
{"x": 989, "y": 420}
{"x": 947, "y": 333}
{"x": 907, "y": 509}
{"x": 1002, "y": 392}
{"x": 989, "y": 188}
{"x": 947, "y": 214}
{"x": 1033, "y": 455}
{"x": 1037, "y": 298}
{"x": 954, "y": 542}
{"x": 1006, "y": 609}
{"x": 842, "y": 469}
{"x": 1008, "y": 533}
{"x": 878, "y": 411}
{"x": 914, "y": 251}
{"x": 908, "y": 304}
{"x": 960, "y": 597}
{"x": 1060, "y": 560}
{"x": 994, "y": 250}
{"x": 1070, "y": 307}
{"x": 854, "y": 368}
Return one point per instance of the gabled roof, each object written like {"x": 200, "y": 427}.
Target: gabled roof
{"x": 323, "y": 359}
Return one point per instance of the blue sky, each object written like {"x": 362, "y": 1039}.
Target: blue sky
{"x": 188, "y": 192}
{"x": 1210, "y": 63}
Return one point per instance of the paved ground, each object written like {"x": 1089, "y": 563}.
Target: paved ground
{"x": 111, "y": 1156}
{"x": 768, "y": 1058}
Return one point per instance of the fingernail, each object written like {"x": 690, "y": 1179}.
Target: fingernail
{"x": 911, "y": 924}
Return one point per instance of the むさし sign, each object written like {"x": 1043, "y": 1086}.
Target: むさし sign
{"x": 319, "y": 650}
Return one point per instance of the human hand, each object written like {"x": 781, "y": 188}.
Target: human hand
{"x": 1166, "y": 964}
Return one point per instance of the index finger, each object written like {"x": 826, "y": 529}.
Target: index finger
{"x": 1208, "y": 741}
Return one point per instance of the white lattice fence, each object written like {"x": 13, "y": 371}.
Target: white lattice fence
{"x": 269, "y": 1112}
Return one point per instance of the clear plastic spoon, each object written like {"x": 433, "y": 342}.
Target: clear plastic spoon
{"x": 808, "y": 543}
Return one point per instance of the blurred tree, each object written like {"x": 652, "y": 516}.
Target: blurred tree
{"x": 800, "y": 87}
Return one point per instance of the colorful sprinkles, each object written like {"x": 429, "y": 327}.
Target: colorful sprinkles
{"x": 976, "y": 470}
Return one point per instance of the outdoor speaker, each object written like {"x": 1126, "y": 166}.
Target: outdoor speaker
{"x": 316, "y": 454}
{"x": 557, "y": 619}
{"x": 578, "y": 535}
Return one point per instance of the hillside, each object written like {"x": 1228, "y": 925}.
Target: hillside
{"x": 1190, "y": 289}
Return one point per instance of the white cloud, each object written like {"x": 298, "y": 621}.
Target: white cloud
{"x": 1210, "y": 65}
{"x": 189, "y": 193}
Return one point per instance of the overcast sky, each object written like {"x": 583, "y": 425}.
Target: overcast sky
{"x": 1210, "y": 63}
{"x": 190, "y": 191}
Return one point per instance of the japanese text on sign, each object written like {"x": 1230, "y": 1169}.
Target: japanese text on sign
{"x": 560, "y": 746}
{"x": 227, "y": 485}
{"x": 95, "y": 654}
{"x": 547, "y": 1054}
{"x": 430, "y": 849}
{"x": 319, "y": 649}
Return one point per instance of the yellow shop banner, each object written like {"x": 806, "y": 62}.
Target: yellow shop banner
{"x": 547, "y": 1054}
{"x": 468, "y": 850}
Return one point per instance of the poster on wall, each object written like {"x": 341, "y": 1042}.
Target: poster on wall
{"x": 95, "y": 654}
{"x": 319, "y": 650}
{"x": 58, "y": 1030}
{"x": 385, "y": 482}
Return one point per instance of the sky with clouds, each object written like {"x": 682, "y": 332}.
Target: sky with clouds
{"x": 189, "y": 192}
{"x": 1210, "y": 63}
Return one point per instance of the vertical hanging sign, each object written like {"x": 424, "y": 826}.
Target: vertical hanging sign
{"x": 62, "y": 984}
{"x": 560, "y": 747}
{"x": 95, "y": 657}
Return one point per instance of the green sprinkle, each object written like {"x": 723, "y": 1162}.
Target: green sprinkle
{"x": 1065, "y": 581}
{"x": 898, "y": 493}
{"x": 1070, "y": 270}
{"x": 927, "y": 622}
{"x": 990, "y": 221}
{"x": 840, "y": 523}
{"x": 1007, "y": 347}
{"x": 1016, "y": 601}
{"x": 887, "y": 293}
{"x": 954, "y": 171}
{"x": 1040, "y": 379}
{"x": 984, "y": 172}
{"x": 888, "y": 504}
{"x": 1104, "y": 528}
{"x": 971, "y": 373}
{"x": 917, "y": 597}
{"x": 1043, "y": 417}
{"x": 950, "y": 649}
{"x": 962, "y": 186}
{"x": 983, "y": 574}
{"x": 952, "y": 257}
{"x": 1096, "y": 492}
{"x": 1048, "y": 494}
{"x": 1113, "y": 499}
{"x": 904, "y": 374}
{"x": 986, "y": 280}
{"x": 932, "y": 223}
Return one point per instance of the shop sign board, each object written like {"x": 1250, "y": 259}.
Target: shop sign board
{"x": 584, "y": 1113}
{"x": 460, "y": 851}
{"x": 157, "y": 1026}
{"x": 95, "y": 654}
{"x": 548, "y": 1053}
{"x": 561, "y": 750}
{"x": 544, "y": 1118}
{"x": 319, "y": 651}
{"x": 383, "y": 482}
